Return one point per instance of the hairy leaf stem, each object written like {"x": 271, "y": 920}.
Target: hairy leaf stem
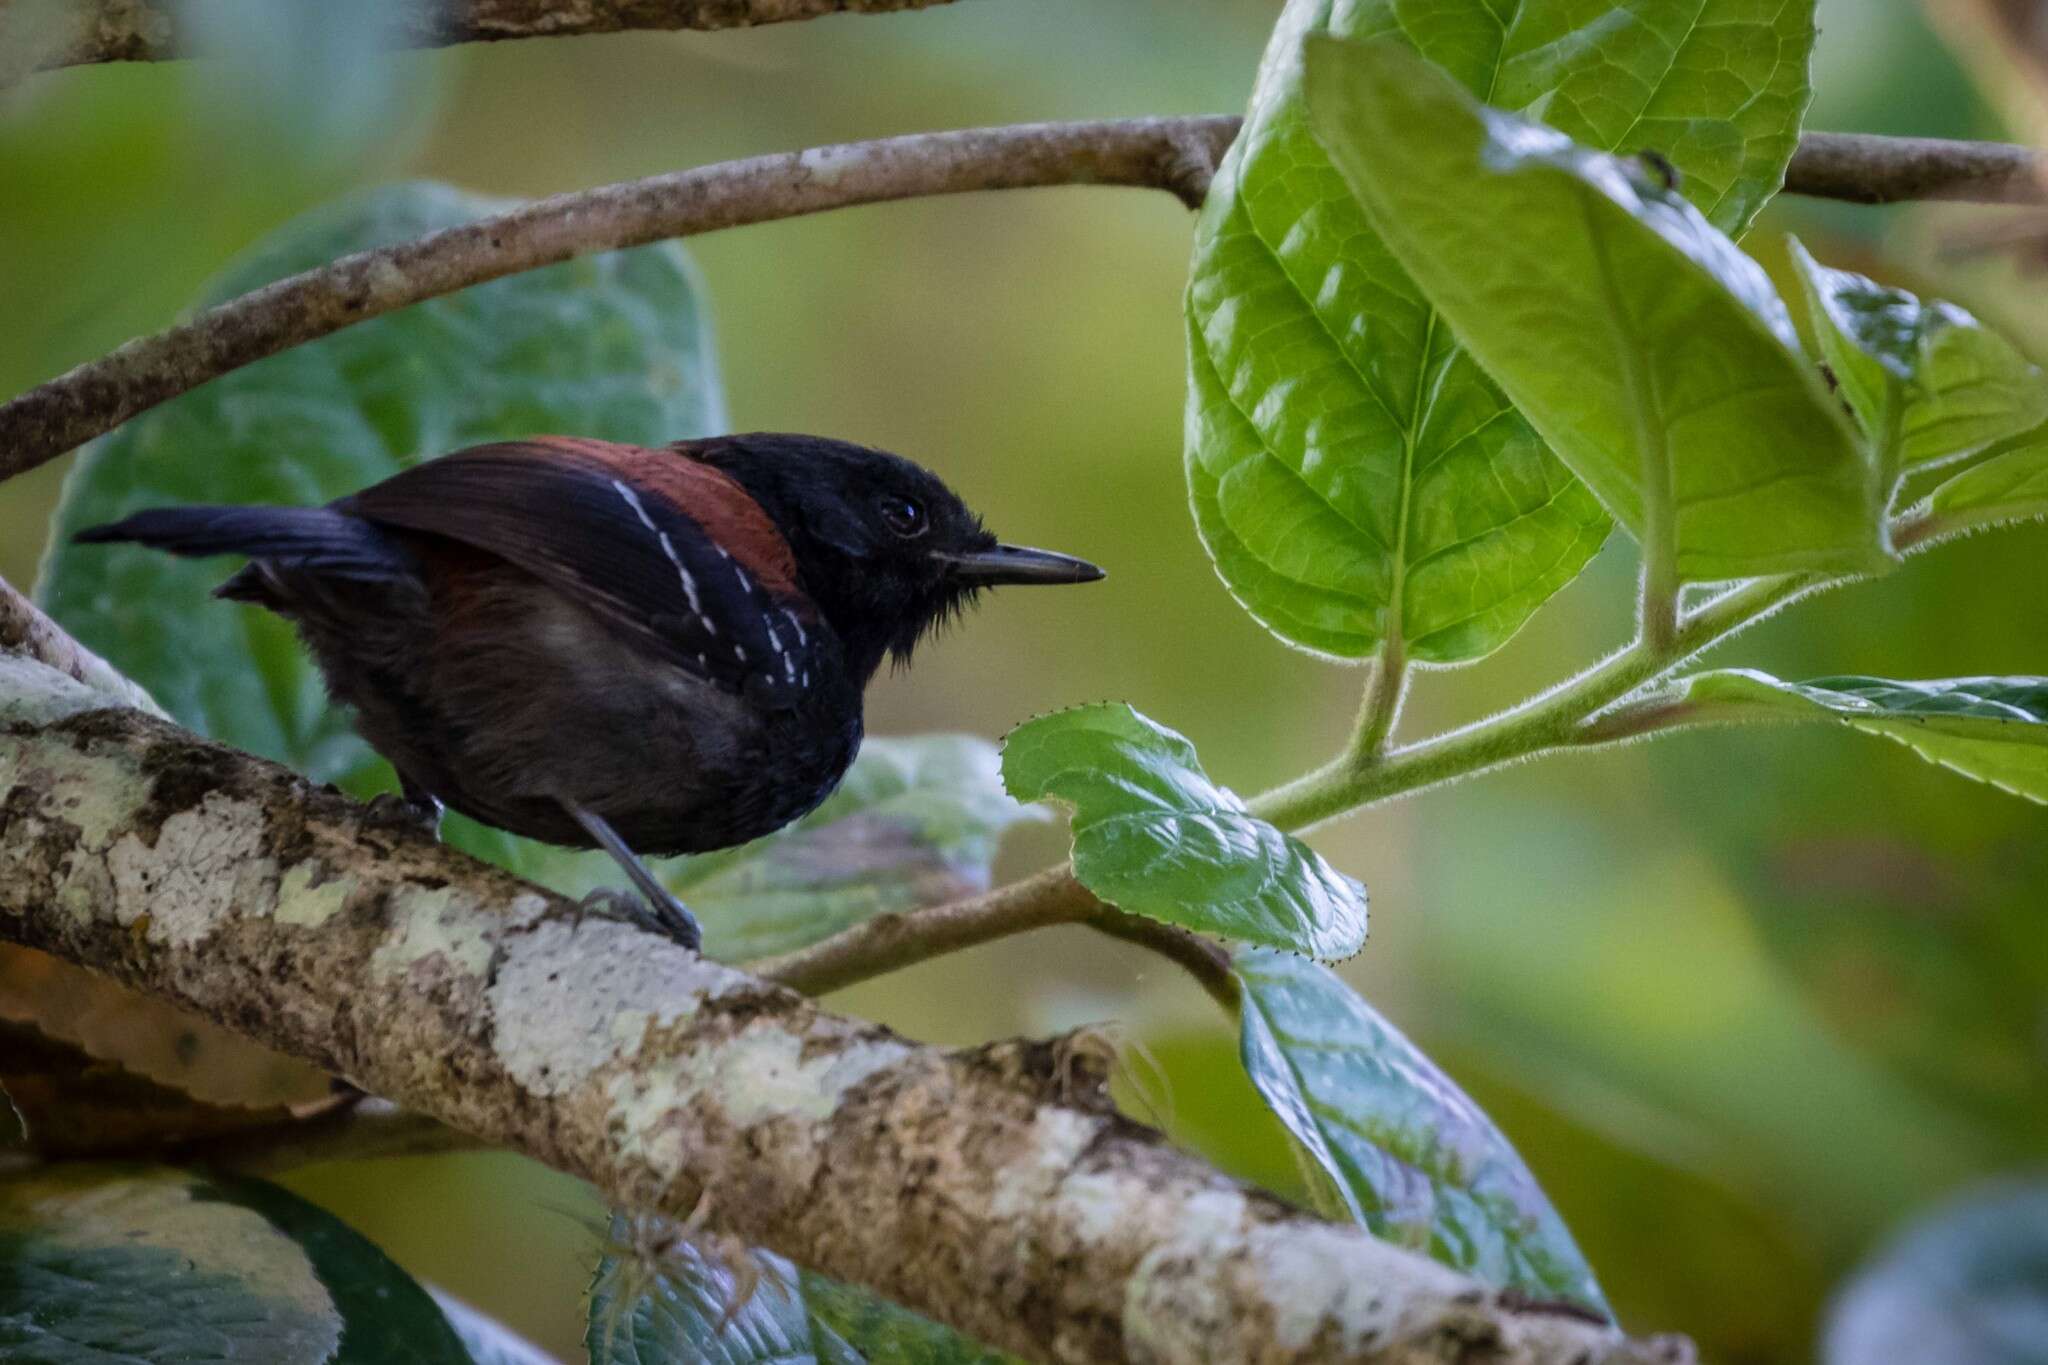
{"x": 1381, "y": 707}
{"x": 1568, "y": 716}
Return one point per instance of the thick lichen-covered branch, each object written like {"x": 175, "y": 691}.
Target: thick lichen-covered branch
{"x": 1177, "y": 155}
{"x": 993, "y": 1188}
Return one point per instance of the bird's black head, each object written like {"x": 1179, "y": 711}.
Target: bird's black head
{"x": 885, "y": 549}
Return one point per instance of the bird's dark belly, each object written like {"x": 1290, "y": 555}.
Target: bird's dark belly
{"x": 537, "y": 703}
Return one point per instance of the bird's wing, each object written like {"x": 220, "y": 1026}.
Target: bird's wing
{"x": 671, "y": 551}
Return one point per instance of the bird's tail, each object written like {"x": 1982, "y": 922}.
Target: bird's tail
{"x": 319, "y": 539}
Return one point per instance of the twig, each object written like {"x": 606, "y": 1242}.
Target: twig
{"x": 1177, "y": 155}
{"x": 91, "y": 31}
{"x": 975, "y": 1186}
{"x": 1864, "y": 168}
{"x": 883, "y": 943}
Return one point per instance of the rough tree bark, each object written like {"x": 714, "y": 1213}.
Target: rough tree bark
{"x": 993, "y": 1188}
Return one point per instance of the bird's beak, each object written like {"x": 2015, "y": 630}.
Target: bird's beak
{"x": 1016, "y": 564}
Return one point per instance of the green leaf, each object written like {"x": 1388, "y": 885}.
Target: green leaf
{"x": 1651, "y": 353}
{"x": 1928, "y": 381}
{"x": 1413, "y": 1158}
{"x": 1992, "y": 729}
{"x": 1965, "y": 1285}
{"x": 105, "y": 1264}
{"x": 755, "y": 1308}
{"x": 614, "y": 346}
{"x": 1355, "y": 476}
{"x": 915, "y": 823}
{"x": 2010, "y": 485}
{"x": 1154, "y": 836}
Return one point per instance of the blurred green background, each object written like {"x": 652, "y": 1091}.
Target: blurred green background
{"x": 1744, "y": 1001}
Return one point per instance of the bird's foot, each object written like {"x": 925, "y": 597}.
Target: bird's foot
{"x": 668, "y": 916}
{"x": 422, "y": 813}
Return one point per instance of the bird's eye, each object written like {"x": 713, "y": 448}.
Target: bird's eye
{"x": 905, "y": 516}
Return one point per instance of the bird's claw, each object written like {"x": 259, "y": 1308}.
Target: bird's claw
{"x": 672, "y": 919}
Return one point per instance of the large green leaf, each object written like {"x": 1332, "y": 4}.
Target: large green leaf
{"x": 613, "y": 346}
{"x": 690, "y": 1308}
{"x": 1992, "y": 729}
{"x": 915, "y": 823}
{"x": 1650, "y": 352}
{"x": 2010, "y": 485}
{"x": 1154, "y": 836}
{"x": 1928, "y": 381}
{"x": 105, "y": 1264}
{"x": 1355, "y": 476}
{"x": 1412, "y": 1157}
{"x": 1965, "y": 1285}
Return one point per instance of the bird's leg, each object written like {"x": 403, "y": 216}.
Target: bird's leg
{"x": 663, "y": 913}
{"x": 417, "y": 806}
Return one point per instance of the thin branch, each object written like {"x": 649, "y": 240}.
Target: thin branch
{"x": 84, "y": 32}
{"x": 1865, "y": 168}
{"x": 885, "y": 943}
{"x": 1207, "y": 962}
{"x": 982, "y": 1187}
{"x": 1177, "y": 155}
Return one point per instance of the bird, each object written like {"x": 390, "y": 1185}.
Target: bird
{"x": 651, "y": 650}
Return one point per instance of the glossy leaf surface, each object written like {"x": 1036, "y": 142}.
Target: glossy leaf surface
{"x": 1154, "y": 836}
{"x": 1354, "y": 474}
{"x": 1412, "y": 1157}
{"x": 1992, "y": 729}
{"x": 1652, "y": 354}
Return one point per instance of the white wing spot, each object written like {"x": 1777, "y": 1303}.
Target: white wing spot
{"x": 739, "y": 652}
{"x": 689, "y": 583}
{"x": 801, "y": 638}
{"x": 746, "y": 583}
